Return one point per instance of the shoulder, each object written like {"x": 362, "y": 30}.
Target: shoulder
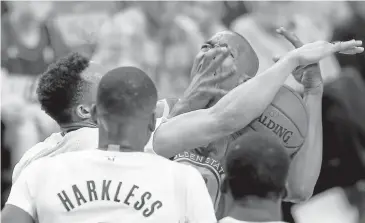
{"x": 37, "y": 167}
{"x": 42, "y": 147}
{"x": 37, "y": 151}
{"x": 162, "y": 162}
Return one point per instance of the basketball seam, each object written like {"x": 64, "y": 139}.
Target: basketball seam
{"x": 298, "y": 96}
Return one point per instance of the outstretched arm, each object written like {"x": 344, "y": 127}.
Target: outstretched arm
{"x": 241, "y": 105}
{"x": 232, "y": 113}
{"x": 306, "y": 164}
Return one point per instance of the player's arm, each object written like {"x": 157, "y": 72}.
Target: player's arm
{"x": 241, "y": 105}
{"x": 199, "y": 207}
{"x": 20, "y": 206}
{"x": 306, "y": 164}
{"x": 14, "y": 214}
{"x": 232, "y": 113}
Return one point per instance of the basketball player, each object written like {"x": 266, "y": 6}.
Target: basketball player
{"x": 176, "y": 137}
{"x": 257, "y": 168}
{"x": 118, "y": 182}
{"x": 66, "y": 92}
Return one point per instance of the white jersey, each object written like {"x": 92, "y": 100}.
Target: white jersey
{"x": 232, "y": 220}
{"x": 106, "y": 186}
{"x": 81, "y": 139}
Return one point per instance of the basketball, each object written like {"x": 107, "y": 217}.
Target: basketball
{"x": 286, "y": 118}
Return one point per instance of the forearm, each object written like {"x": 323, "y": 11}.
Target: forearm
{"x": 306, "y": 164}
{"x": 232, "y": 113}
{"x": 186, "y": 131}
{"x": 249, "y": 100}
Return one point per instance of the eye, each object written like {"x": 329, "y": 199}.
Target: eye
{"x": 206, "y": 47}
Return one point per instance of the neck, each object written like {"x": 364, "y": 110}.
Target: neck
{"x": 123, "y": 139}
{"x": 256, "y": 210}
{"x": 77, "y": 125}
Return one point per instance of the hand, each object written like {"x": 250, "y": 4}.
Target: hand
{"x": 314, "y": 52}
{"x": 309, "y": 76}
{"x": 204, "y": 85}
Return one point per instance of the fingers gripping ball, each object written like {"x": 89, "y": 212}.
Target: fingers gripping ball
{"x": 286, "y": 118}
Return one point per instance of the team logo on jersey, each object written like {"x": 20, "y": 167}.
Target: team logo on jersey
{"x": 211, "y": 170}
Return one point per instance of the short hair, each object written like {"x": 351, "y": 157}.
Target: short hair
{"x": 256, "y": 165}
{"x": 61, "y": 86}
{"x": 126, "y": 92}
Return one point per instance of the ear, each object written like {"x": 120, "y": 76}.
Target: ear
{"x": 94, "y": 114}
{"x": 83, "y": 111}
{"x": 152, "y": 124}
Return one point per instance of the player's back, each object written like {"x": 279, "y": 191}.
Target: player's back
{"x": 105, "y": 186}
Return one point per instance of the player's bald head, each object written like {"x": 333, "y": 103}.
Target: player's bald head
{"x": 243, "y": 54}
{"x": 126, "y": 92}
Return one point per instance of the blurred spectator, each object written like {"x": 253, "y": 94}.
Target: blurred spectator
{"x": 343, "y": 133}
{"x": 25, "y": 123}
{"x": 25, "y": 44}
{"x": 353, "y": 29}
{"x": 124, "y": 41}
{"x": 208, "y": 15}
{"x": 181, "y": 45}
{"x": 73, "y": 26}
{"x": 259, "y": 28}
{"x": 233, "y": 9}
{"x": 5, "y": 167}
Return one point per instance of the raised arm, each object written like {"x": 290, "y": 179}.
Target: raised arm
{"x": 241, "y": 105}
{"x": 233, "y": 112}
{"x": 306, "y": 164}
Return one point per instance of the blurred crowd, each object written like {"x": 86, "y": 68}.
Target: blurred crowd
{"x": 163, "y": 38}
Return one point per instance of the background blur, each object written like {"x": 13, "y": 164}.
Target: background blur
{"x": 163, "y": 38}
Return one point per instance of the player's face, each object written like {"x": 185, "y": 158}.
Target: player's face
{"x": 234, "y": 42}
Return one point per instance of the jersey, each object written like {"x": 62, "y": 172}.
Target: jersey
{"x": 210, "y": 168}
{"x": 232, "y": 220}
{"x": 57, "y": 143}
{"x": 107, "y": 186}
{"x": 80, "y": 139}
